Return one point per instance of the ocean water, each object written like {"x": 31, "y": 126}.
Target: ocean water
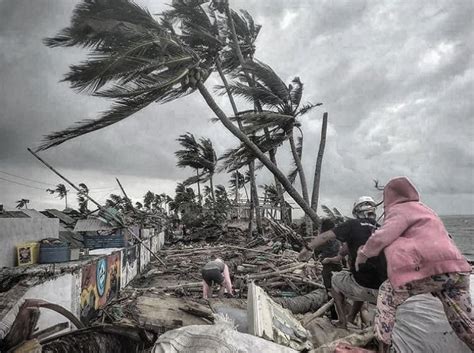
{"x": 461, "y": 229}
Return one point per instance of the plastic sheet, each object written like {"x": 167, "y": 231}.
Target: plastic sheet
{"x": 221, "y": 337}
{"x": 421, "y": 326}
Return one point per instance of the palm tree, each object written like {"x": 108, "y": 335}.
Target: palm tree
{"x": 237, "y": 182}
{"x": 186, "y": 157}
{"x": 200, "y": 156}
{"x": 148, "y": 200}
{"x": 279, "y": 122}
{"x": 61, "y": 192}
{"x": 116, "y": 201}
{"x": 22, "y": 203}
{"x": 82, "y": 199}
{"x": 208, "y": 160}
{"x": 136, "y": 61}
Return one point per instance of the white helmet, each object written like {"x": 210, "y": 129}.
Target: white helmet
{"x": 364, "y": 207}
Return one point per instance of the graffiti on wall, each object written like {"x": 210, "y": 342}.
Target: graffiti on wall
{"x": 100, "y": 284}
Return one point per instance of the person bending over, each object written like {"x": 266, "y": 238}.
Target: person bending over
{"x": 215, "y": 272}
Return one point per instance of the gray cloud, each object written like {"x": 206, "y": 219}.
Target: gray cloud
{"x": 395, "y": 77}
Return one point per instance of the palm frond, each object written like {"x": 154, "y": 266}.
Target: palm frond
{"x": 121, "y": 110}
{"x": 296, "y": 92}
{"x": 330, "y": 214}
{"x": 97, "y": 23}
{"x": 306, "y": 108}
{"x": 133, "y": 59}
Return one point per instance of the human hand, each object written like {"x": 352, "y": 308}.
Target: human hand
{"x": 360, "y": 259}
{"x": 304, "y": 255}
{"x": 326, "y": 261}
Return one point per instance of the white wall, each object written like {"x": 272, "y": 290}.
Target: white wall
{"x": 15, "y": 231}
{"x": 61, "y": 291}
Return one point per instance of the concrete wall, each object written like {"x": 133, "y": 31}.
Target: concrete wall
{"x": 61, "y": 290}
{"x": 14, "y": 231}
{"x": 67, "y": 289}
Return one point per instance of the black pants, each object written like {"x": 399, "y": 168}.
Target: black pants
{"x": 212, "y": 276}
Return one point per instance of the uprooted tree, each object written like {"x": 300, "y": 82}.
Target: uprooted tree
{"x": 137, "y": 60}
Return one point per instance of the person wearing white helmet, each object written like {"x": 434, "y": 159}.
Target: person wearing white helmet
{"x": 359, "y": 286}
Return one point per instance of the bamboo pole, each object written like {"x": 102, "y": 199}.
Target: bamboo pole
{"x": 97, "y": 204}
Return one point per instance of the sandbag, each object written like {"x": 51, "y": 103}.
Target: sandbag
{"x": 220, "y": 337}
{"x": 421, "y": 326}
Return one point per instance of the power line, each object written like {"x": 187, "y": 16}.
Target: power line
{"x": 16, "y": 182}
{"x": 52, "y": 184}
{"x": 20, "y": 177}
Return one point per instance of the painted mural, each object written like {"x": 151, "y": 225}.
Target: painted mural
{"x": 100, "y": 284}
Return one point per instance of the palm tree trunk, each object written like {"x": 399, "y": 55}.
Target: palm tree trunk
{"x": 257, "y": 103}
{"x": 246, "y": 192}
{"x": 257, "y": 152}
{"x": 281, "y": 197}
{"x": 65, "y": 198}
{"x": 304, "y": 185}
{"x": 199, "y": 187}
{"x": 211, "y": 183}
{"x": 254, "y": 204}
{"x": 319, "y": 162}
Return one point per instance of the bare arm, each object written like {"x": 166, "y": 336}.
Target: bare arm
{"x": 317, "y": 242}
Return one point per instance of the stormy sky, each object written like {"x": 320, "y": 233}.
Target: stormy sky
{"x": 396, "y": 78}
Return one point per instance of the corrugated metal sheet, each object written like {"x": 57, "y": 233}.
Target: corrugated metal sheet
{"x": 92, "y": 225}
{"x": 13, "y": 214}
{"x": 34, "y": 214}
{"x": 62, "y": 216}
{"x": 75, "y": 239}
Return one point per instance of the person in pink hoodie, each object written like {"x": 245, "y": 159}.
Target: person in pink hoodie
{"x": 421, "y": 258}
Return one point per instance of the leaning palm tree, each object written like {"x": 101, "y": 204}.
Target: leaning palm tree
{"x": 61, "y": 192}
{"x": 136, "y": 61}
{"x": 237, "y": 182}
{"x": 199, "y": 155}
{"x": 277, "y": 123}
{"x": 187, "y": 157}
{"x": 22, "y": 203}
{"x": 208, "y": 160}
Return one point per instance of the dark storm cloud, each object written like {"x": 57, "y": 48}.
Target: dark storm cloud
{"x": 396, "y": 78}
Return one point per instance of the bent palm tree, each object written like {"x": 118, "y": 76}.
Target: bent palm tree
{"x": 277, "y": 123}
{"x": 198, "y": 155}
{"x": 61, "y": 192}
{"x": 22, "y": 203}
{"x": 137, "y": 61}
{"x": 187, "y": 158}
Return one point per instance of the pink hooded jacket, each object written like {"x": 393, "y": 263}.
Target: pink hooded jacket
{"x": 414, "y": 239}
